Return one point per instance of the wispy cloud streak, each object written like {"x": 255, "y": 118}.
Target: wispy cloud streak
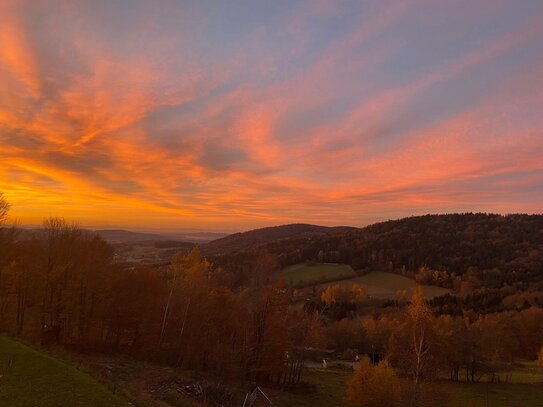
{"x": 187, "y": 115}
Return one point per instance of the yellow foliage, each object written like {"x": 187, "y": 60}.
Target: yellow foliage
{"x": 339, "y": 293}
{"x": 358, "y": 293}
{"x": 374, "y": 386}
{"x": 335, "y": 293}
{"x": 418, "y": 309}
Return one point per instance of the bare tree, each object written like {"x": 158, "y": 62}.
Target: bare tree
{"x": 4, "y": 208}
{"x": 175, "y": 272}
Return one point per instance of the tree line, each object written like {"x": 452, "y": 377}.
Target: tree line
{"x": 61, "y": 285}
{"x": 417, "y": 349}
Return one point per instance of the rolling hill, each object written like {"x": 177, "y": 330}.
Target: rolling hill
{"x": 128, "y": 236}
{"x": 116, "y": 236}
{"x": 495, "y": 255}
{"x": 245, "y": 240}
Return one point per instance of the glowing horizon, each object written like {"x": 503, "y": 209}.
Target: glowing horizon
{"x": 235, "y": 115}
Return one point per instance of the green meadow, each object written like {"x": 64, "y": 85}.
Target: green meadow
{"x": 33, "y": 379}
{"x": 378, "y": 284}
{"x": 303, "y": 275}
{"x": 383, "y": 285}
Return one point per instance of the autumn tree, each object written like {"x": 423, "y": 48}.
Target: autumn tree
{"x": 172, "y": 277}
{"x": 305, "y": 331}
{"x": 190, "y": 288}
{"x": 341, "y": 334}
{"x": 133, "y": 301}
{"x": 420, "y": 321}
{"x": 497, "y": 338}
{"x": 265, "y": 264}
{"x": 530, "y": 332}
{"x": 411, "y": 347}
{"x": 220, "y": 343}
{"x": 424, "y": 275}
{"x": 358, "y": 294}
{"x": 25, "y": 274}
{"x": 7, "y": 243}
{"x": 452, "y": 345}
{"x": 268, "y": 333}
{"x": 6, "y": 235}
{"x": 320, "y": 256}
{"x": 335, "y": 293}
{"x": 72, "y": 271}
{"x": 377, "y": 332}
{"x": 338, "y": 293}
{"x": 374, "y": 385}
{"x": 58, "y": 260}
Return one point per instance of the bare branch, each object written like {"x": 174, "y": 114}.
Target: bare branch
{"x": 4, "y": 208}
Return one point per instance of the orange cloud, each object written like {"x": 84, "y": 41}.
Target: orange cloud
{"x": 119, "y": 118}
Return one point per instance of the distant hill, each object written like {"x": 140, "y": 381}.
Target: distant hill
{"x": 245, "y": 240}
{"x": 116, "y": 236}
{"x": 126, "y": 236}
{"x": 194, "y": 237}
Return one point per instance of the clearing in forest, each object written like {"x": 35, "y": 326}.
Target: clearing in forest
{"x": 382, "y": 285}
{"x": 303, "y": 275}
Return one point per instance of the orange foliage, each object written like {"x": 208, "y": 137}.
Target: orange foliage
{"x": 374, "y": 386}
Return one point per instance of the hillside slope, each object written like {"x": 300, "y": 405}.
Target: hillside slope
{"x": 500, "y": 250}
{"x": 245, "y": 240}
{"x": 35, "y": 379}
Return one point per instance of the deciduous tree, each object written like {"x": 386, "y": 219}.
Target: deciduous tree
{"x": 412, "y": 347}
{"x": 374, "y": 385}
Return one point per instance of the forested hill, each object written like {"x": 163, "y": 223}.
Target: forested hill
{"x": 246, "y": 240}
{"x": 500, "y": 249}
{"x": 456, "y": 242}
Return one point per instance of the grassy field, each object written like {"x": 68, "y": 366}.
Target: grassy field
{"x": 379, "y": 285}
{"x": 331, "y": 387}
{"x": 330, "y": 391}
{"x": 302, "y": 275}
{"x": 38, "y": 380}
{"x": 383, "y": 285}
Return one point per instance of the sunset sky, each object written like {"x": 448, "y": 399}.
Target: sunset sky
{"x": 230, "y": 115}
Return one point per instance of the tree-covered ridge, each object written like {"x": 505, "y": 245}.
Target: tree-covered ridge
{"x": 501, "y": 250}
{"x": 458, "y": 242}
{"x": 251, "y": 238}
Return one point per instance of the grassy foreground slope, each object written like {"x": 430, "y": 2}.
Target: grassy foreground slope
{"x": 35, "y": 379}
